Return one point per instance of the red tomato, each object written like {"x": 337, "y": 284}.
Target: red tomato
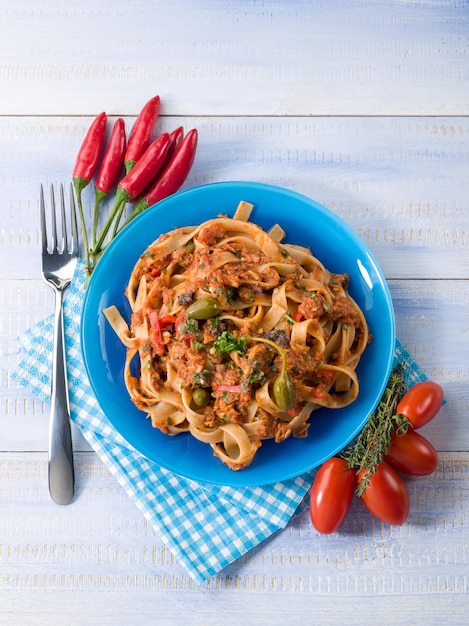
{"x": 412, "y": 454}
{"x": 421, "y": 403}
{"x": 331, "y": 495}
{"x": 386, "y": 495}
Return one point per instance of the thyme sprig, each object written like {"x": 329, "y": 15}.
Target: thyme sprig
{"x": 371, "y": 445}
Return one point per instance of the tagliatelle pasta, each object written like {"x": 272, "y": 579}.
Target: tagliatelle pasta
{"x": 236, "y": 337}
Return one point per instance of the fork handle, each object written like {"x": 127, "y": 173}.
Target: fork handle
{"x": 61, "y": 470}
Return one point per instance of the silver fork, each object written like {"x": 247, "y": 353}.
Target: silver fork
{"x": 59, "y": 258}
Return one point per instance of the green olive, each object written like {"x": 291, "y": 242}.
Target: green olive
{"x": 203, "y": 309}
{"x": 201, "y": 396}
{"x": 283, "y": 391}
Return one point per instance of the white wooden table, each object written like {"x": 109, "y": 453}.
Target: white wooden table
{"x": 362, "y": 106}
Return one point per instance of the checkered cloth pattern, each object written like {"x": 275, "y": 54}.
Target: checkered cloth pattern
{"x": 206, "y": 527}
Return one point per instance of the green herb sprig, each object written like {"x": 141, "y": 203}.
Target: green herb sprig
{"x": 227, "y": 342}
{"x": 371, "y": 445}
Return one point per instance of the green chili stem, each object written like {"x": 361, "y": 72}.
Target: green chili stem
{"x": 122, "y": 198}
{"x": 139, "y": 207}
{"x": 80, "y": 184}
{"x": 100, "y": 195}
{"x": 118, "y": 219}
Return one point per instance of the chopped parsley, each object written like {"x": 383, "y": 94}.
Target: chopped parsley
{"x": 227, "y": 342}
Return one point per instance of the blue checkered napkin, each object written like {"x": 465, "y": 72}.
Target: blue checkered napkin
{"x": 205, "y": 527}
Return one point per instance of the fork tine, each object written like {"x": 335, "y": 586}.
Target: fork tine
{"x": 43, "y": 218}
{"x": 64, "y": 223}
{"x": 54, "y": 219}
{"x": 73, "y": 219}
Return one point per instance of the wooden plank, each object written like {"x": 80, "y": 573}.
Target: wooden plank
{"x": 268, "y": 58}
{"x": 397, "y": 182}
{"x": 100, "y": 550}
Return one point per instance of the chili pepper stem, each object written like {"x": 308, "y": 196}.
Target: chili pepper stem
{"x": 100, "y": 195}
{"x": 80, "y": 184}
{"x": 118, "y": 219}
{"x": 139, "y": 207}
{"x": 128, "y": 166}
{"x": 122, "y": 197}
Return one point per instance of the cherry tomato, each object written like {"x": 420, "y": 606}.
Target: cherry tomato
{"x": 331, "y": 494}
{"x": 421, "y": 403}
{"x": 412, "y": 454}
{"x": 386, "y": 496}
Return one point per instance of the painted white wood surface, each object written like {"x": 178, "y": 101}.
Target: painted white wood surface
{"x": 362, "y": 106}
{"x": 339, "y": 57}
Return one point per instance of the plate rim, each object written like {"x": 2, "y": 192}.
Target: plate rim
{"x": 242, "y": 478}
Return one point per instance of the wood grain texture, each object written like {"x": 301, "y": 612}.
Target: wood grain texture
{"x": 241, "y": 58}
{"x": 363, "y": 107}
{"x": 401, "y": 183}
{"x": 101, "y": 547}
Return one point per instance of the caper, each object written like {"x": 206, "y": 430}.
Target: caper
{"x": 203, "y": 309}
{"x": 201, "y": 396}
{"x": 283, "y": 391}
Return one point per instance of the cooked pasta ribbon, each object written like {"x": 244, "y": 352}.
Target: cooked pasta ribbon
{"x": 218, "y": 310}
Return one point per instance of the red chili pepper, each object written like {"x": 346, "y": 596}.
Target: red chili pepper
{"x": 175, "y": 138}
{"x": 89, "y": 153}
{"x": 175, "y": 173}
{"x": 113, "y": 160}
{"x": 85, "y": 166}
{"x": 146, "y": 168}
{"x": 110, "y": 170}
{"x": 134, "y": 183}
{"x": 141, "y": 133}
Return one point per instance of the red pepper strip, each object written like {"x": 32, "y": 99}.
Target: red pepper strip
{"x": 229, "y": 388}
{"x": 156, "y": 336}
{"x": 141, "y": 133}
{"x": 167, "y": 320}
{"x": 297, "y": 317}
{"x": 85, "y": 166}
{"x": 173, "y": 175}
{"x": 135, "y": 182}
{"x": 111, "y": 168}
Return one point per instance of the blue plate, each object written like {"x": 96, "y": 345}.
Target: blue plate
{"x": 306, "y": 223}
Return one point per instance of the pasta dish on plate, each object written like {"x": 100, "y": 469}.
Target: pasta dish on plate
{"x": 236, "y": 337}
